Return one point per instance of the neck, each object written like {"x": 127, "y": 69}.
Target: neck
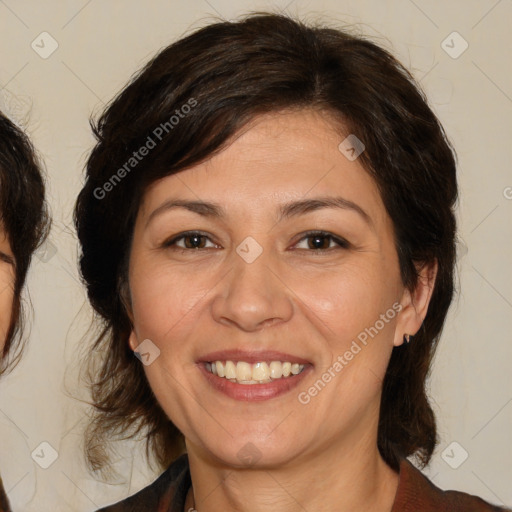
{"x": 346, "y": 478}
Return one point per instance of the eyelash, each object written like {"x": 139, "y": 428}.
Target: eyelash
{"x": 6, "y": 259}
{"x": 342, "y": 244}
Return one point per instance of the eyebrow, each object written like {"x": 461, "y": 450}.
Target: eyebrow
{"x": 287, "y": 210}
{"x": 6, "y": 258}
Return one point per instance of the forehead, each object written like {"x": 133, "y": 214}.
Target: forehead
{"x": 276, "y": 157}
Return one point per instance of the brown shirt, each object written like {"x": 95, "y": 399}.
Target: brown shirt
{"x": 415, "y": 493}
{"x": 4, "y": 504}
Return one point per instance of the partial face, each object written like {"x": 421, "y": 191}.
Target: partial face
{"x": 268, "y": 280}
{"x": 7, "y": 277}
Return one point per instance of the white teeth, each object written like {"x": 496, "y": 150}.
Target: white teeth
{"x": 257, "y": 373}
{"x": 260, "y": 371}
{"x": 230, "y": 370}
{"x": 276, "y": 369}
{"x": 243, "y": 371}
{"x": 220, "y": 369}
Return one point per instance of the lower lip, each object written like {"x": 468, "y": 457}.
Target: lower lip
{"x": 254, "y": 392}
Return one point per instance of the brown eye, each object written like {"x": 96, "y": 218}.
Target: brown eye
{"x": 321, "y": 241}
{"x": 194, "y": 241}
{"x": 190, "y": 240}
{"x": 7, "y": 259}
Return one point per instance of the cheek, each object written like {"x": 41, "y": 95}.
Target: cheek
{"x": 165, "y": 303}
{"x": 347, "y": 307}
{"x": 355, "y": 315}
{"x": 348, "y": 299}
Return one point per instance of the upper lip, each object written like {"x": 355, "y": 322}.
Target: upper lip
{"x": 250, "y": 356}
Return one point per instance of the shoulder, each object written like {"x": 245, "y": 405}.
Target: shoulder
{"x": 416, "y": 492}
{"x": 170, "y": 487}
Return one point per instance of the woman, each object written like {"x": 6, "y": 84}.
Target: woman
{"x": 23, "y": 227}
{"x": 267, "y": 224}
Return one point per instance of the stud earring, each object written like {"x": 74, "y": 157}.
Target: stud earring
{"x": 407, "y": 338}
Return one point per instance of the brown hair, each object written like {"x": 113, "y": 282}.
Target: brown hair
{"x": 23, "y": 217}
{"x": 233, "y": 72}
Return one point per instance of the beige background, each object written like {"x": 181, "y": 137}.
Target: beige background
{"x": 100, "y": 45}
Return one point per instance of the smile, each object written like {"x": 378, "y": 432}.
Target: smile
{"x": 262, "y": 372}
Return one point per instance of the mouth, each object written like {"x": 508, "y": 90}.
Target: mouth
{"x": 261, "y": 372}
{"x": 253, "y": 376}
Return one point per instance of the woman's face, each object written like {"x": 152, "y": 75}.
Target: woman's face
{"x": 289, "y": 257}
{"x": 6, "y": 286}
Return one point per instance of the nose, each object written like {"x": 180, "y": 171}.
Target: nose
{"x": 252, "y": 296}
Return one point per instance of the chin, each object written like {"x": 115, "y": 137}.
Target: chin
{"x": 254, "y": 451}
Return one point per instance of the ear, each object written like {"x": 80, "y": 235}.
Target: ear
{"x": 125, "y": 296}
{"x": 415, "y": 303}
{"x": 133, "y": 342}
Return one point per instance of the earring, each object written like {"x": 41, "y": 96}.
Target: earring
{"x": 407, "y": 338}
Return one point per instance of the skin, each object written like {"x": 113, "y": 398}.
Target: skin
{"x": 7, "y": 277}
{"x": 292, "y": 299}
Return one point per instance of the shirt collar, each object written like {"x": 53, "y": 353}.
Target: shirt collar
{"x": 415, "y": 491}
